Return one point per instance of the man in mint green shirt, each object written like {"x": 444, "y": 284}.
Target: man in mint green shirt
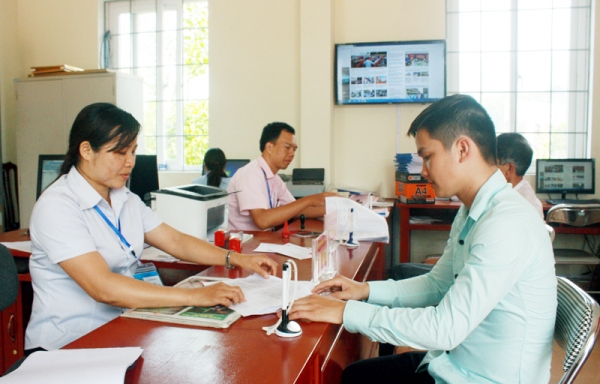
{"x": 486, "y": 311}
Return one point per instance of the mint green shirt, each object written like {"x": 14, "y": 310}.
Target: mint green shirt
{"x": 486, "y": 310}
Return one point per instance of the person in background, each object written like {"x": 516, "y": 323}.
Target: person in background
{"x": 88, "y": 233}
{"x": 487, "y": 309}
{"x": 214, "y": 170}
{"x": 258, "y": 198}
{"x": 514, "y": 158}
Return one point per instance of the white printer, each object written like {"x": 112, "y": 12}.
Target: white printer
{"x": 197, "y": 210}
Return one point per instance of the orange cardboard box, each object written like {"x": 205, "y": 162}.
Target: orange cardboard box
{"x": 415, "y": 193}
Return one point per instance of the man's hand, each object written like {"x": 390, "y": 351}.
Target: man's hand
{"x": 344, "y": 289}
{"x": 261, "y": 263}
{"x": 318, "y": 308}
{"x": 318, "y": 200}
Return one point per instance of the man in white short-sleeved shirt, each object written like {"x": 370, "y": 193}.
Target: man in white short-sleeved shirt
{"x": 70, "y": 201}
{"x": 514, "y": 158}
{"x": 262, "y": 200}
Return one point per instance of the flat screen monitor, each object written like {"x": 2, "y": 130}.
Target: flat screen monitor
{"x": 144, "y": 177}
{"x": 48, "y": 171}
{"x": 390, "y": 72}
{"x": 232, "y": 165}
{"x": 565, "y": 176}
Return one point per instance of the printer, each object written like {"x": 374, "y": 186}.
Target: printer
{"x": 197, "y": 210}
{"x": 306, "y": 181}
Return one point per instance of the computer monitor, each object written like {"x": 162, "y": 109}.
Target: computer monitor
{"x": 48, "y": 171}
{"x": 565, "y": 176}
{"x": 233, "y": 165}
{"x": 144, "y": 177}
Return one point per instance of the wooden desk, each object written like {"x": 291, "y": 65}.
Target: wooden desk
{"x": 244, "y": 353}
{"x": 446, "y": 211}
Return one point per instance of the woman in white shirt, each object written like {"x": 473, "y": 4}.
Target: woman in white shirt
{"x": 88, "y": 233}
{"x": 214, "y": 170}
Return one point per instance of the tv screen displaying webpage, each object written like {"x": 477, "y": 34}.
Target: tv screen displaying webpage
{"x": 565, "y": 176}
{"x": 390, "y": 72}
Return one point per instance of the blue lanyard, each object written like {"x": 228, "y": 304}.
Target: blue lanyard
{"x": 268, "y": 188}
{"x": 116, "y": 230}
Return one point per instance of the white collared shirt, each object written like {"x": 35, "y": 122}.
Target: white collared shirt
{"x": 65, "y": 225}
{"x": 525, "y": 190}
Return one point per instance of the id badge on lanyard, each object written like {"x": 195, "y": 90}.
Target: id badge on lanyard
{"x": 140, "y": 271}
{"x": 147, "y": 272}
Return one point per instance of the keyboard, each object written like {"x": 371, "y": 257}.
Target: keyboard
{"x": 572, "y": 201}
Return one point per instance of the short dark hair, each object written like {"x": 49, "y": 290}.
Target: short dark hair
{"x": 456, "y": 115}
{"x": 514, "y": 148}
{"x": 99, "y": 124}
{"x": 214, "y": 161}
{"x": 271, "y": 133}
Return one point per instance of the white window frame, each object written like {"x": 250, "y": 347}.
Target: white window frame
{"x": 131, "y": 7}
{"x": 579, "y": 81}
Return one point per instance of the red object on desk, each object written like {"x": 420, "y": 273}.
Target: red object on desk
{"x": 221, "y": 237}
{"x": 285, "y": 233}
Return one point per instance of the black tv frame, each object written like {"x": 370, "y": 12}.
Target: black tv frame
{"x": 144, "y": 177}
{"x": 41, "y": 159}
{"x": 375, "y": 100}
{"x": 564, "y": 191}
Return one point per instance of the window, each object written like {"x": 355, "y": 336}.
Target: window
{"x": 528, "y": 63}
{"x": 166, "y": 43}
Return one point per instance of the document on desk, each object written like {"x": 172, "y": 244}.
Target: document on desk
{"x": 289, "y": 249}
{"x": 66, "y": 366}
{"x": 24, "y": 246}
{"x": 367, "y": 224}
{"x": 264, "y": 296}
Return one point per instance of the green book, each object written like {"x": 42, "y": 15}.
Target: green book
{"x": 217, "y": 316}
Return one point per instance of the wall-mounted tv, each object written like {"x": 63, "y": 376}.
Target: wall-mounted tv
{"x": 565, "y": 176}
{"x": 390, "y": 72}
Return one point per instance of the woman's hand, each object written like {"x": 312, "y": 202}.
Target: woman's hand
{"x": 219, "y": 293}
{"x": 261, "y": 263}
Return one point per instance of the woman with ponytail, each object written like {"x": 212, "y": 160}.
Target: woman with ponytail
{"x": 214, "y": 170}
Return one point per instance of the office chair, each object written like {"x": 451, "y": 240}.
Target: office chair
{"x": 577, "y": 326}
{"x": 11, "y": 196}
{"x": 9, "y": 281}
{"x": 577, "y": 215}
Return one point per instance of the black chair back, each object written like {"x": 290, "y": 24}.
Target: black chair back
{"x": 9, "y": 279}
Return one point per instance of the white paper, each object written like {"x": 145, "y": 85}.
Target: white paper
{"x": 265, "y": 295}
{"x": 367, "y": 225}
{"x": 24, "y": 246}
{"x": 289, "y": 249}
{"x": 77, "y": 366}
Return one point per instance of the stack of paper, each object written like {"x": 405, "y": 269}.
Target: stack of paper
{"x": 367, "y": 225}
{"x": 102, "y": 366}
{"x": 408, "y": 163}
{"x": 423, "y": 220}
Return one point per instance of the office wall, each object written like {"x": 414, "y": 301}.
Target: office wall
{"x": 255, "y": 78}
{"x": 261, "y": 71}
{"x": 9, "y": 69}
